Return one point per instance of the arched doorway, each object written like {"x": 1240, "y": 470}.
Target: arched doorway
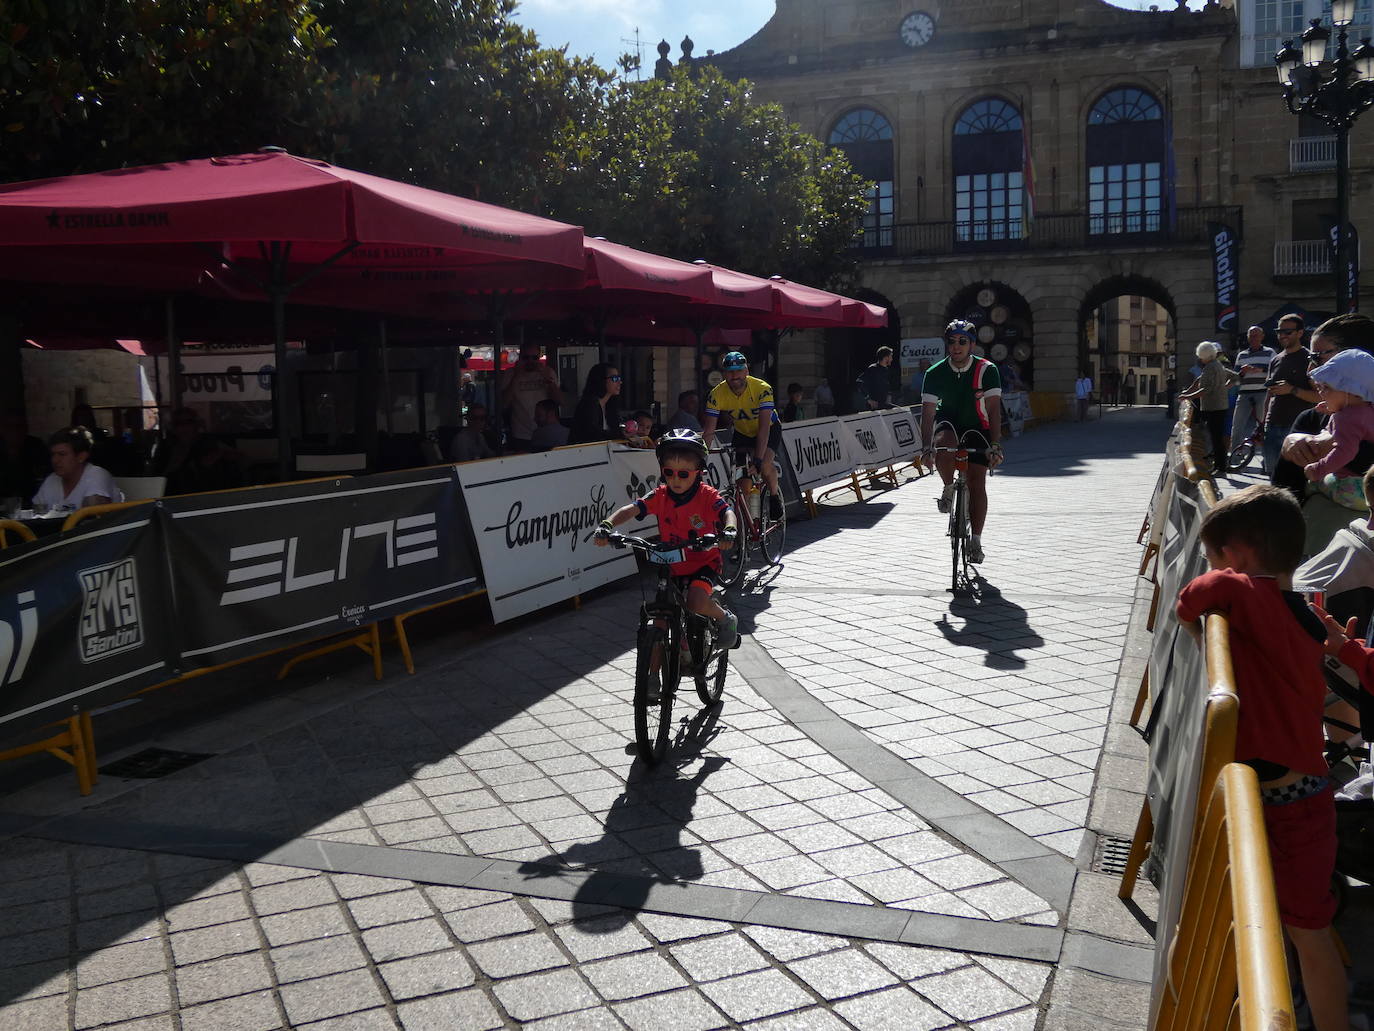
{"x": 849, "y": 351}
{"x": 1127, "y": 340}
{"x": 1005, "y": 329}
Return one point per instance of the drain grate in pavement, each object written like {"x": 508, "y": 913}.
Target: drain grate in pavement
{"x": 153, "y": 762}
{"x": 1111, "y": 855}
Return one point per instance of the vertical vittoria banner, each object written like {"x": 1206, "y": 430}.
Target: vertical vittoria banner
{"x": 1225, "y": 275}
{"x": 1349, "y": 270}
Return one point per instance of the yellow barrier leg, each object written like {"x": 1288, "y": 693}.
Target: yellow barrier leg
{"x": 88, "y": 738}
{"x": 1154, "y": 610}
{"x": 404, "y": 642}
{"x": 1140, "y": 697}
{"x": 854, "y": 480}
{"x": 81, "y": 758}
{"x": 1150, "y": 552}
{"x": 1144, "y": 830}
{"x": 375, "y": 647}
{"x": 810, "y": 498}
{"x": 1144, "y": 525}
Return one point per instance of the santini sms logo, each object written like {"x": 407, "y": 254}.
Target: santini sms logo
{"x": 110, "y": 621}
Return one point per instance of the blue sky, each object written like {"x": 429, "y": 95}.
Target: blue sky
{"x": 604, "y": 29}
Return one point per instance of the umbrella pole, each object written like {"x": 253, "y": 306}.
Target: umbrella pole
{"x": 284, "y": 463}
{"x": 173, "y": 358}
{"x": 386, "y": 376}
{"x": 698, "y": 380}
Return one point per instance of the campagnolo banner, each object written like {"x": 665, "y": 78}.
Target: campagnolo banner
{"x": 905, "y": 430}
{"x": 85, "y": 619}
{"x": 532, "y": 515}
{"x": 257, "y": 570}
{"x": 872, "y": 443}
{"x": 819, "y": 450}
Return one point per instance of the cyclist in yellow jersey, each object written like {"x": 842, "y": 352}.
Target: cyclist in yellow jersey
{"x": 749, "y": 402}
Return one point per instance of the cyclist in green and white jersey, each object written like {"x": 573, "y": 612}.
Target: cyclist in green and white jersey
{"x": 962, "y": 394}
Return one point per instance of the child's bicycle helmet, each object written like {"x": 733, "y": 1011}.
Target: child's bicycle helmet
{"x": 680, "y": 441}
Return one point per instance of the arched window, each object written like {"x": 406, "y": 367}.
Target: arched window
{"x": 989, "y": 173}
{"x": 865, "y": 137}
{"x": 1128, "y": 148}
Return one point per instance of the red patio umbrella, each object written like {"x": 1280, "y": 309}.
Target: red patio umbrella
{"x": 273, "y": 222}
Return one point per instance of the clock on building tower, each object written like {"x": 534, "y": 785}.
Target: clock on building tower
{"x": 917, "y": 29}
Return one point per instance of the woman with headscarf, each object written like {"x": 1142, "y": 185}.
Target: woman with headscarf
{"x": 1213, "y": 400}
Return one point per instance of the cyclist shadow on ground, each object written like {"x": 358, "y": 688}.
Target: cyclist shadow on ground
{"x": 993, "y": 623}
{"x": 753, "y": 596}
{"x": 641, "y": 840}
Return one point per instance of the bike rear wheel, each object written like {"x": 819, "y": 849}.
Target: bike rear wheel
{"x": 734, "y": 560}
{"x": 1241, "y": 455}
{"x": 653, "y": 719}
{"x": 711, "y": 665}
{"x": 771, "y": 531}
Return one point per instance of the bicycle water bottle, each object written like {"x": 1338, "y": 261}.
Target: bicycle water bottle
{"x": 753, "y": 500}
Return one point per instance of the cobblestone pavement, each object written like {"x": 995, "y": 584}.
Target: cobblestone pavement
{"x": 881, "y": 827}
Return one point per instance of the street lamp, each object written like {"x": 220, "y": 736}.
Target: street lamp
{"x": 1335, "y": 93}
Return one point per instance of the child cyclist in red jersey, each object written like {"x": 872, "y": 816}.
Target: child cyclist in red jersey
{"x": 687, "y": 508}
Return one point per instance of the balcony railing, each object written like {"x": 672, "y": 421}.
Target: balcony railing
{"x": 1312, "y": 153}
{"x": 1058, "y": 231}
{"x": 1303, "y": 257}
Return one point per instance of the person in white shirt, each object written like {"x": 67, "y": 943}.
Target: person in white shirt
{"x": 74, "y": 482}
{"x": 522, "y": 388}
{"x": 470, "y": 443}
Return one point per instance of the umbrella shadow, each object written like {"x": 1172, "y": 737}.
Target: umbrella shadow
{"x": 638, "y": 848}
{"x": 991, "y": 622}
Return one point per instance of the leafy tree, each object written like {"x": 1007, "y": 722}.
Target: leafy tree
{"x": 694, "y": 168}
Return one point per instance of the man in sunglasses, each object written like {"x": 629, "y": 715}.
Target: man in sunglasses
{"x": 1306, "y": 440}
{"x": 1290, "y": 391}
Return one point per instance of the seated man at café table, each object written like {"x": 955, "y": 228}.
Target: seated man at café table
{"x": 74, "y": 482}
{"x": 470, "y": 443}
{"x": 549, "y": 431}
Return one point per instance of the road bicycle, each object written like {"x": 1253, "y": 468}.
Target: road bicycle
{"x": 749, "y": 494}
{"x": 672, "y": 641}
{"x": 960, "y": 527}
{"x": 1245, "y": 450}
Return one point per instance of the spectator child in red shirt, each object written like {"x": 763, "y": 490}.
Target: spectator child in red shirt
{"x": 688, "y": 507}
{"x": 1253, "y": 540}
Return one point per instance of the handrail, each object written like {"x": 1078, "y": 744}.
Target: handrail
{"x": 18, "y": 529}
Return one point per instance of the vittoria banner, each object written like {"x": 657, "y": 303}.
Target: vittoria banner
{"x": 532, "y": 516}
{"x": 819, "y": 451}
{"x": 257, "y": 570}
{"x": 1225, "y": 275}
{"x": 85, "y": 618}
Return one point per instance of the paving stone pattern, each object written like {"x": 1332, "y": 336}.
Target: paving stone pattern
{"x": 519, "y": 750}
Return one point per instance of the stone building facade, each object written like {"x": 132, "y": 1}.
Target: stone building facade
{"x": 1037, "y": 158}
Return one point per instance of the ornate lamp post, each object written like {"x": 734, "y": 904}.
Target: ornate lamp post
{"x": 1335, "y": 93}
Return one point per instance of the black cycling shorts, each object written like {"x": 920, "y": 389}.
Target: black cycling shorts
{"x": 743, "y": 443}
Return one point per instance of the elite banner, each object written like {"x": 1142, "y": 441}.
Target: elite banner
{"x": 532, "y": 515}
{"x": 819, "y": 450}
{"x": 260, "y": 569}
{"x": 872, "y": 442}
{"x": 85, "y": 618}
{"x": 1225, "y": 275}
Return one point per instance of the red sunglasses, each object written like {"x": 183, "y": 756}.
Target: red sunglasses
{"x": 681, "y": 474}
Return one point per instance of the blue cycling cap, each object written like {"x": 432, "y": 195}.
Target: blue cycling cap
{"x": 734, "y": 360}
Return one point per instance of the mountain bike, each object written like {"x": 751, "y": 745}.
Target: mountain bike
{"x": 749, "y": 494}
{"x": 672, "y": 641}
{"x": 960, "y": 527}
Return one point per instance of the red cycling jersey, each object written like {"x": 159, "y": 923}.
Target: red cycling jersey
{"x": 684, "y": 516}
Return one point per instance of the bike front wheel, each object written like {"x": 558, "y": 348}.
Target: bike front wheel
{"x": 1241, "y": 455}
{"x": 958, "y": 536}
{"x": 711, "y": 667}
{"x": 653, "y": 715}
{"x": 771, "y": 531}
